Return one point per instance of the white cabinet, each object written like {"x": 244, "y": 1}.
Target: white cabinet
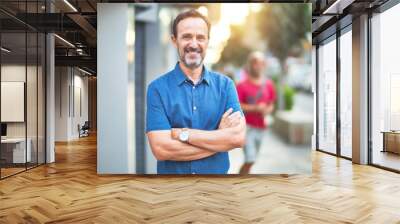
{"x": 18, "y": 149}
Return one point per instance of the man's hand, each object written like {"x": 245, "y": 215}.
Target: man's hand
{"x": 230, "y": 134}
{"x": 175, "y": 133}
{"x": 166, "y": 148}
{"x": 230, "y": 119}
{"x": 264, "y": 108}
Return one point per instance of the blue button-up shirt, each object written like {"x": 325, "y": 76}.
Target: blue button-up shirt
{"x": 173, "y": 101}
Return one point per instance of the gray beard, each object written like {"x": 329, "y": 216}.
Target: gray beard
{"x": 191, "y": 66}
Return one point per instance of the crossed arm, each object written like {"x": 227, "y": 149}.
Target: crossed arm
{"x": 229, "y": 135}
{"x": 164, "y": 147}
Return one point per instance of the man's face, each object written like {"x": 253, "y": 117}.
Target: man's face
{"x": 257, "y": 67}
{"x": 191, "y": 41}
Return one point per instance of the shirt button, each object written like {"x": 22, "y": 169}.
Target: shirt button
{"x": 194, "y": 87}
{"x": 194, "y": 108}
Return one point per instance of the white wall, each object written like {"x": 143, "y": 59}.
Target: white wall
{"x": 17, "y": 73}
{"x": 61, "y": 104}
{"x": 80, "y": 83}
{"x": 68, "y": 81}
{"x": 12, "y": 100}
{"x": 115, "y": 89}
{"x": 33, "y": 126}
{"x": 14, "y": 73}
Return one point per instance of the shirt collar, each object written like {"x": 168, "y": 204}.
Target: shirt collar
{"x": 181, "y": 77}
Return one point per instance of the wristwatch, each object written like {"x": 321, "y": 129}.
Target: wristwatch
{"x": 184, "y": 135}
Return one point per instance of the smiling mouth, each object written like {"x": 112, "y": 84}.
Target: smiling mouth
{"x": 193, "y": 54}
{"x": 192, "y": 50}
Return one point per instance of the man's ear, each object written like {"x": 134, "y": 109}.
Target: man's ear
{"x": 173, "y": 39}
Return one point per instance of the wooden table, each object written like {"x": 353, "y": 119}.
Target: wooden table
{"x": 391, "y": 141}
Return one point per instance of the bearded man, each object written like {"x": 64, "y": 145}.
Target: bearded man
{"x": 193, "y": 114}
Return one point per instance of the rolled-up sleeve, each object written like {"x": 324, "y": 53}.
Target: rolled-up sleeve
{"x": 156, "y": 117}
{"x": 232, "y": 95}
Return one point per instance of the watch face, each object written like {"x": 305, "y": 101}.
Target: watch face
{"x": 184, "y": 136}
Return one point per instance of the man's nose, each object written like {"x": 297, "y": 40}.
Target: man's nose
{"x": 194, "y": 42}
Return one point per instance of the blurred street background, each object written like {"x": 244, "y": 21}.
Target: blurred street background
{"x": 282, "y": 32}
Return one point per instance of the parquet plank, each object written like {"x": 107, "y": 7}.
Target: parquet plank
{"x": 70, "y": 191}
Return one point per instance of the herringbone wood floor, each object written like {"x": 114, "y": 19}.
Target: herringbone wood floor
{"x": 70, "y": 191}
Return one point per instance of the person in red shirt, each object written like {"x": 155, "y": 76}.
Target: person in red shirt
{"x": 257, "y": 97}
